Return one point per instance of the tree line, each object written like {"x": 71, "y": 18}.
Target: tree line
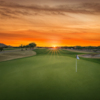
{"x": 30, "y": 45}
{"x": 93, "y": 48}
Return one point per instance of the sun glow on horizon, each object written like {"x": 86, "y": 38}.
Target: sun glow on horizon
{"x": 54, "y": 46}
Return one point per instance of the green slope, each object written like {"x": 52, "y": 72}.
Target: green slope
{"x": 50, "y": 75}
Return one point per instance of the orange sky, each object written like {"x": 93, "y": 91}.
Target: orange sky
{"x": 60, "y": 23}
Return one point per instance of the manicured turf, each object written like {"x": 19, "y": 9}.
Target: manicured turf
{"x": 50, "y": 75}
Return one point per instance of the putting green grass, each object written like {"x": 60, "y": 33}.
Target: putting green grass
{"x": 50, "y": 75}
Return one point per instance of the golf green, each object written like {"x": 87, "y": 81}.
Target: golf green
{"x": 50, "y": 75}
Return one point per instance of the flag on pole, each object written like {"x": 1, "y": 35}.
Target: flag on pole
{"x": 77, "y": 57}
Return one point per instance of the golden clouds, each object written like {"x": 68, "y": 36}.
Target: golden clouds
{"x": 16, "y": 10}
{"x": 58, "y": 24}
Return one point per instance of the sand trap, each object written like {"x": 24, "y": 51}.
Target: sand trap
{"x": 73, "y": 50}
{"x": 90, "y": 55}
{"x": 16, "y": 54}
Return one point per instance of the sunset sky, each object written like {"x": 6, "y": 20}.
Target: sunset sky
{"x": 50, "y": 22}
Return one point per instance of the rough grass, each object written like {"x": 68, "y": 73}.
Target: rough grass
{"x": 50, "y": 75}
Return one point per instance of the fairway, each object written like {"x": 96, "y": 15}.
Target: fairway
{"x": 50, "y": 75}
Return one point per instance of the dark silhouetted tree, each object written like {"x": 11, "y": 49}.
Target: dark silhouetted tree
{"x": 21, "y": 47}
{"x": 26, "y": 47}
{"x": 32, "y": 45}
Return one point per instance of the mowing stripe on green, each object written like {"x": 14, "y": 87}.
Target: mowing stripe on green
{"x": 49, "y": 76}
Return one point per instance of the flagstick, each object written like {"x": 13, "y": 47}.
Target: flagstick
{"x": 76, "y": 65}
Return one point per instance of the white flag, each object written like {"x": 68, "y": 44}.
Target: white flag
{"x": 77, "y": 57}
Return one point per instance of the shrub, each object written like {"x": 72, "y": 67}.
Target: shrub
{"x": 1, "y": 48}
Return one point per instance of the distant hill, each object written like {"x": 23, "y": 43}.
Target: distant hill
{"x": 2, "y": 45}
